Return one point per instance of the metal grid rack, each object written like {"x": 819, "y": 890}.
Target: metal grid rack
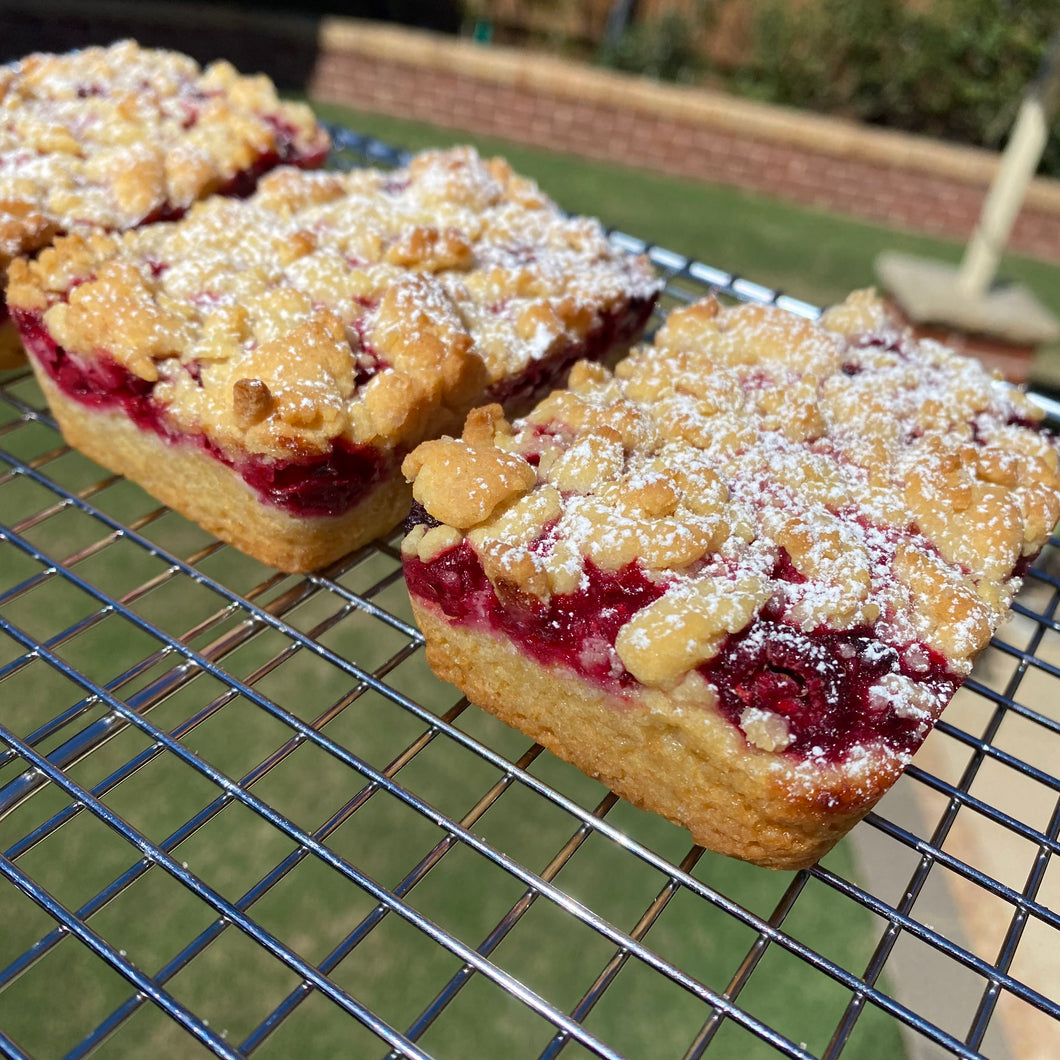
{"x": 238, "y": 816}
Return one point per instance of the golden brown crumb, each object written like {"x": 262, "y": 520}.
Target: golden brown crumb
{"x": 252, "y": 401}
{"x": 402, "y": 297}
{"x": 737, "y": 441}
{"x": 117, "y": 133}
{"x": 784, "y": 542}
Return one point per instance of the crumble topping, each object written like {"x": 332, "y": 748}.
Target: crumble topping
{"x": 110, "y": 137}
{"x": 800, "y": 493}
{"x": 373, "y": 307}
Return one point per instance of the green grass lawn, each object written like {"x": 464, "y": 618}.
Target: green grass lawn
{"x": 808, "y": 253}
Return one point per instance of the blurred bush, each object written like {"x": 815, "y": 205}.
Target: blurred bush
{"x": 663, "y": 47}
{"x": 955, "y": 69}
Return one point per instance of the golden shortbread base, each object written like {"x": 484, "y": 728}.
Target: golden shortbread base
{"x": 206, "y": 491}
{"x": 680, "y": 760}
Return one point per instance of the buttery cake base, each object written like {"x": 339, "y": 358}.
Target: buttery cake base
{"x": 676, "y": 758}
{"x": 201, "y": 488}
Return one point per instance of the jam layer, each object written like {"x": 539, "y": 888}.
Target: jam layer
{"x": 615, "y": 331}
{"x": 287, "y": 152}
{"x": 330, "y": 484}
{"x": 576, "y": 630}
{"x": 825, "y": 684}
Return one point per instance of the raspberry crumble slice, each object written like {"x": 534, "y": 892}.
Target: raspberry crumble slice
{"x": 109, "y": 138}
{"x": 290, "y": 348}
{"x": 739, "y": 577}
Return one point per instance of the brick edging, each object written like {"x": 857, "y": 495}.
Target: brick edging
{"x": 880, "y": 175}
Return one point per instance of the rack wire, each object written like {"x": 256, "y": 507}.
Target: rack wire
{"x": 239, "y": 817}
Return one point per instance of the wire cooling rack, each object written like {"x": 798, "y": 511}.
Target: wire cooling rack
{"x": 239, "y": 817}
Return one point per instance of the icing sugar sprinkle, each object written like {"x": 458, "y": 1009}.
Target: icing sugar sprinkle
{"x": 771, "y": 474}
{"x": 451, "y": 277}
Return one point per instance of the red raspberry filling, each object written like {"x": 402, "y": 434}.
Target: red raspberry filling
{"x": 329, "y": 484}
{"x": 615, "y": 329}
{"x": 244, "y": 183}
{"x": 575, "y": 629}
{"x": 287, "y": 152}
{"x": 317, "y": 486}
{"x": 821, "y": 682}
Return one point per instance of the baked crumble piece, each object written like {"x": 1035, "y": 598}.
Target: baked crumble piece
{"x": 739, "y": 577}
{"x": 113, "y": 137}
{"x": 307, "y": 337}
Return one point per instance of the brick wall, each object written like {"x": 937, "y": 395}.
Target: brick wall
{"x": 877, "y": 175}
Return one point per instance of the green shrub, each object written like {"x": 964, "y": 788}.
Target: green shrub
{"x": 663, "y": 47}
{"x": 955, "y": 69}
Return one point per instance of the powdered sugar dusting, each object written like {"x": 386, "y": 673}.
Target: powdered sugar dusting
{"x": 832, "y": 517}
{"x": 448, "y": 279}
{"x": 110, "y": 137}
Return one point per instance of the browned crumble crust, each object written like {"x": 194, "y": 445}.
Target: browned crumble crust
{"x": 902, "y": 483}
{"x": 363, "y": 309}
{"x": 111, "y": 137}
{"x": 369, "y": 306}
{"x": 104, "y": 137}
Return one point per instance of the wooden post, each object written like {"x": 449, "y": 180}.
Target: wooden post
{"x": 1018, "y": 164}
